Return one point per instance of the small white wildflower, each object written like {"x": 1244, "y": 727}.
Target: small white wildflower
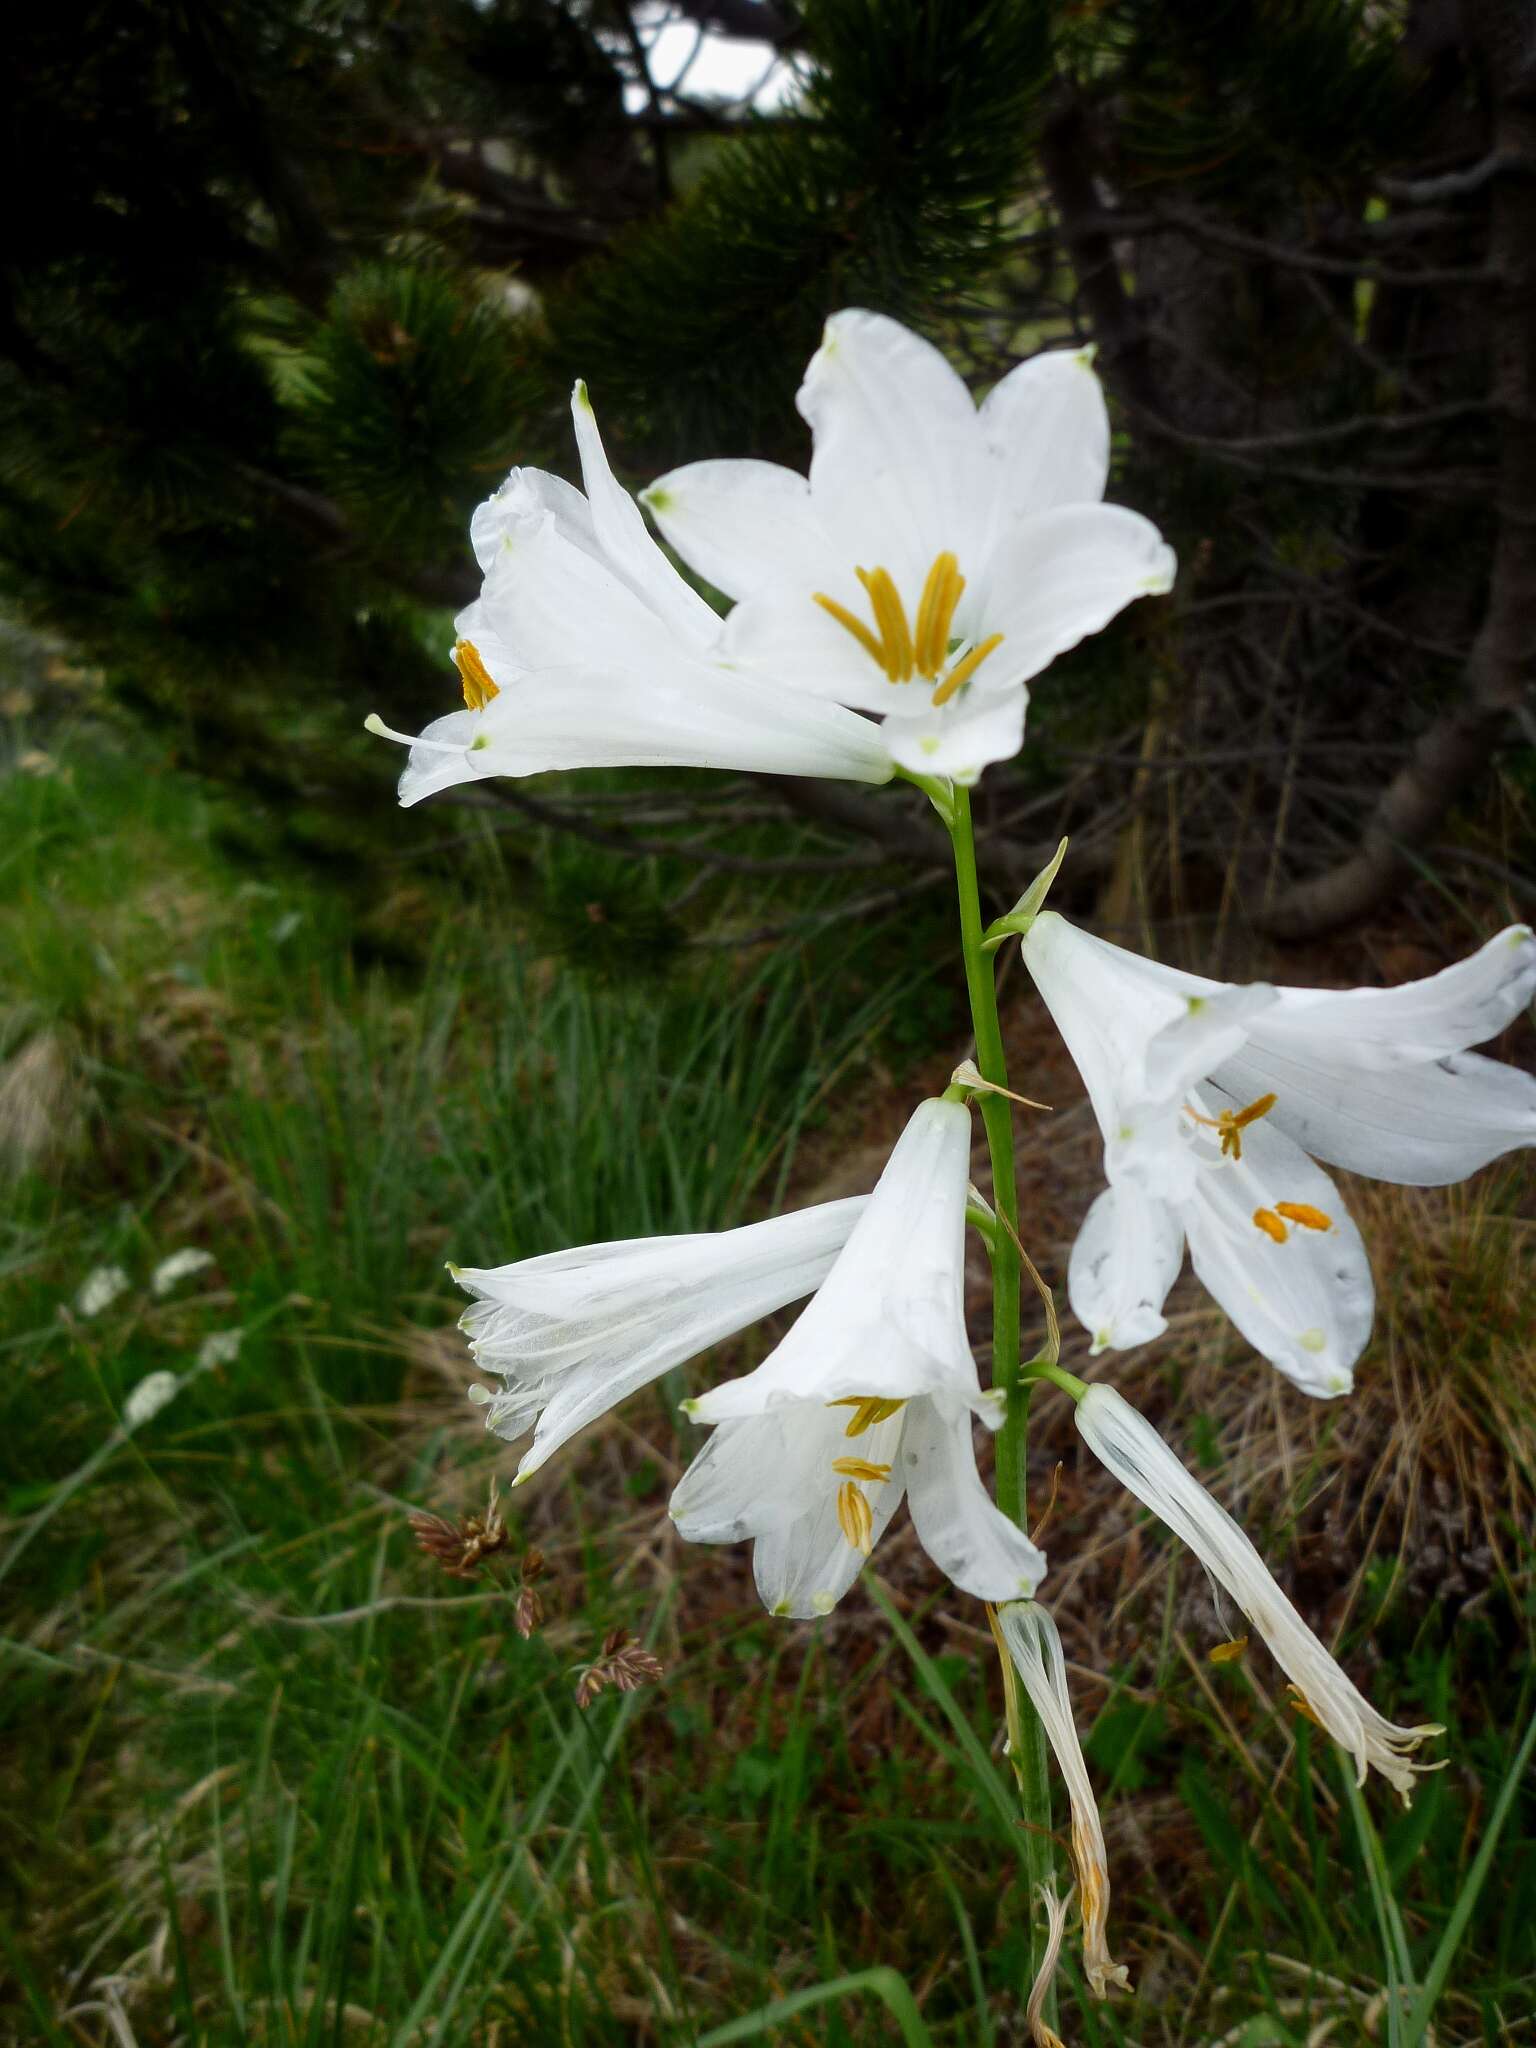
{"x": 179, "y": 1266}
{"x": 99, "y": 1289}
{"x": 152, "y": 1394}
{"x": 219, "y": 1347}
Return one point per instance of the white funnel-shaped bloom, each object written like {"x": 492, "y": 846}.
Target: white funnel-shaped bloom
{"x": 573, "y": 1333}
{"x": 1211, "y": 1096}
{"x": 937, "y": 557}
{"x": 587, "y": 649}
{"x": 815, "y": 1483}
{"x": 1031, "y": 1639}
{"x": 1127, "y": 1444}
{"x": 869, "y": 1397}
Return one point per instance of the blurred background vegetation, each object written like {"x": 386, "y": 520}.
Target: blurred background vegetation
{"x": 286, "y": 287}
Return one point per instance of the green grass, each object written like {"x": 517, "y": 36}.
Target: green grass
{"x": 267, "y": 1777}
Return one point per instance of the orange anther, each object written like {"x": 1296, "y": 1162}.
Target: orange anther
{"x": 479, "y": 688}
{"x": 1271, "y": 1225}
{"x": 1304, "y": 1214}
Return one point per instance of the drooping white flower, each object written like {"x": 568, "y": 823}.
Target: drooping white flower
{"x": 869, "y": 1397}
{"x": 1210, "y": 1097}
{"x": 573, "y": 1333}
{"x": 937, "y": 557}
{"x": 587, "y": 649}
{"x": 814, "y": 1482}
{"x": 154, "y": 1392}
{"x": 179, "y": 1266}
{"x": 1127, "y": 1444}
{"x": 1031, "y": 1639}
{"x": 99, "y": 1289}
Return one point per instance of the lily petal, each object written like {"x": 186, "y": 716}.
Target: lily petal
{"x": 701, "y": 718}
{"x": 1056, "y": 577}
{"x": 889, "y": 1319}
{"x": 1047, "y": 435}
{"x": 1127, "y": 1256}
{"x": 1305, "y": 1303}
{"x": 788, "y": 642}
{"x": 970, "y": 1539}
{"x": 898, "y": 473}
{"x": 443, "y": 754}
{"x": 1378, "y": 1081}
{"x": 772, "y": 1477}
{"x": 621, "y": 532}
{"x": 960, "y": 738}
{"x": 526, "y": 493}
{"x": 575, "y": 1332}
{"x": 746, "y": 527}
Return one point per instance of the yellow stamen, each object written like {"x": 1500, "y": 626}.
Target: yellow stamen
{"x": 861, "y": 1468}
{"x": 856, "y": 627}
{"x": 891, "y": 618}
{"x": 854, "y": 1517}
{"x": 1231, "y": 1123}
{"x": 867, "y": 1411}
{"x": 479, "y": 689}
{"x": 935, "y": 611}
{"x": 1228, "y": 1653}
{"x": 1305, "y": 1708}
{"x": 962, "y": 671}
{"x": 1304, "y": 1214}
{"x": 1271, "y": 1225}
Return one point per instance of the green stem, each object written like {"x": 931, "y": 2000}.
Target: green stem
{"x": 997, "y": 1119}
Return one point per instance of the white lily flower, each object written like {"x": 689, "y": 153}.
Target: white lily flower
{"x": 817, "y": 1503}
{"x": 587, "y": 649}
{"x": 1127, "y": 1444}
{"x": 1031, "y": 1639}
{"x": 937, "y": 557}
{"x": 573, "y": 1333}
{"x": 869, "y": 1397}
{"x": 1210, "y": 1097}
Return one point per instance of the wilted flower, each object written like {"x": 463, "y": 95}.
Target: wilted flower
{"x": 936, "y": 558}
{"x": 1127, "y": 1444}
{"x": 1031, "y": 1639}
{"x": 1210, "y": 1097}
